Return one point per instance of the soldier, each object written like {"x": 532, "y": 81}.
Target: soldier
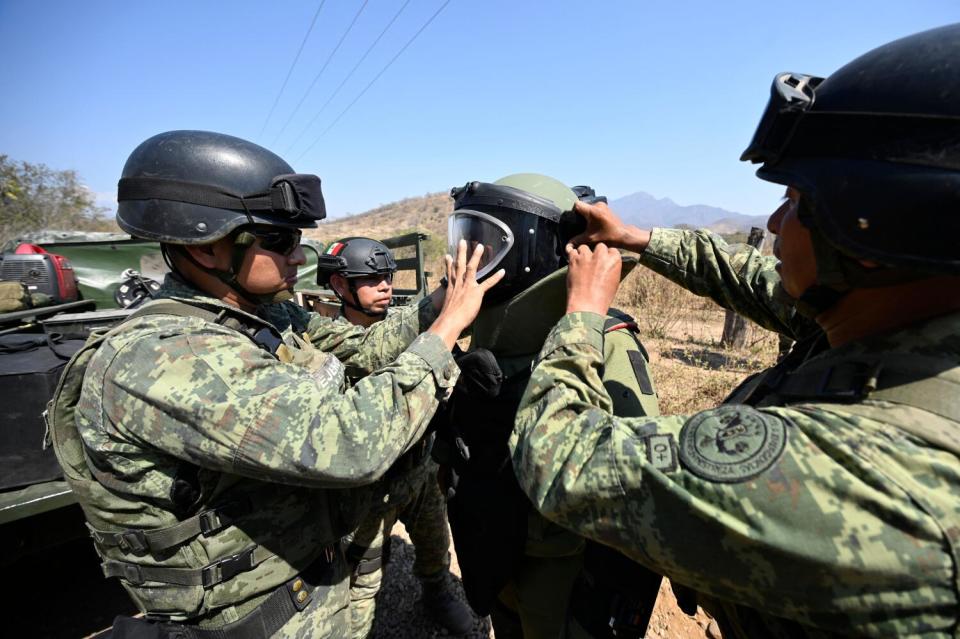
{"x": 219, "y": 461}
{"x": 517, "y": 566}
{"x": 360, "y": 271}
{"x": 823, "y": 498}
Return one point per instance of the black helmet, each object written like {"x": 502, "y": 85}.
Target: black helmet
{"x": 355, "y": 257}
{"x": 523, "y": 221}
{"x": 195, "y": 187}
{"x": 875, "y": 151}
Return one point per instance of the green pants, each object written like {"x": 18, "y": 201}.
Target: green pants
{"x": 424, "y": 513}
{"x": 540, "y": 588}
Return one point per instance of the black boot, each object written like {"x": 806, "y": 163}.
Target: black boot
{"x": 445, "y": 607}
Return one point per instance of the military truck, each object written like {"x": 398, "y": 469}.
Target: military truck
{"x": 114, "y": 273}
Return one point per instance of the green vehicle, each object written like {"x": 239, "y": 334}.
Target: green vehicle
{"x": 113, "y": 271}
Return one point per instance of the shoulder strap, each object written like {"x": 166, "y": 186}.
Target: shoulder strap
{"x": 926, "y": 382}
{"x": 262, "y": 333}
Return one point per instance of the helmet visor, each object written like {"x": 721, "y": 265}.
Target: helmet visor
{"x": 791, "y": 95}
{"x": 479, "y": 229}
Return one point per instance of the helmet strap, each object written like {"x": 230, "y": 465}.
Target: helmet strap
{"x": 838, "y": 273}
{"x": 354, "y": 303}
{"x": 241, "y": 243}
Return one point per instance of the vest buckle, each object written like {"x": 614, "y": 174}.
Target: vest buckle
{"x": 227, "y": 568}
{"x": 133, "y": 541}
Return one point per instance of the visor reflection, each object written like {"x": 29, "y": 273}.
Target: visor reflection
{"x": 478, "y": 228}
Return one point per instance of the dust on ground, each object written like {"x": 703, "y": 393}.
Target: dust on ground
{"x": 401, "y": 616}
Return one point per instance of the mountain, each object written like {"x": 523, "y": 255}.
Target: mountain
{"x": 429, "y": 213}
{"x": 647, "y": 211}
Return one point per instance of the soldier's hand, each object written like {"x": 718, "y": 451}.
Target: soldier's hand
{"x": 603, "y": 225}
{"x": 592, "y": 279}
{"x": 464, "y": 294}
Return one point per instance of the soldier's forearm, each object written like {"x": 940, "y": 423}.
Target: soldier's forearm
{"x": 736, "y": 277}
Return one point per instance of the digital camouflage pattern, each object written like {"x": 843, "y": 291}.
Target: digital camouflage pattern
{"x": 169, "y": 402}
{"x": 415, "y": 499}
{"x": 736, "y": 276}
{"x": 849, "y": 525}
{"x": 412, "y": 496}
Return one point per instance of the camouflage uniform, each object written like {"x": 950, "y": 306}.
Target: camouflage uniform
{"x": 177, "y": 415}
{"x": 412, "y": 496}
{"x": 831, "y": 515}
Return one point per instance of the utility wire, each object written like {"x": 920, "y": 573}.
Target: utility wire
{"x": 375, "y": 78}
{"x": 322, "y": 69}
{"x": 349, "y": 75}
{"x": 290, "y": 70}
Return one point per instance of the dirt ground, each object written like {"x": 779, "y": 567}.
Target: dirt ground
{"x": 400, "y": 615}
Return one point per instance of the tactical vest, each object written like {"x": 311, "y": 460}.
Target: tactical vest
{"x": 199, "y": 559}
{"x": 886, "y": 387}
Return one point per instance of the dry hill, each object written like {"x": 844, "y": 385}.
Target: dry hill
{"x": 692, "y": 370}
{"x": 427, "y": 214}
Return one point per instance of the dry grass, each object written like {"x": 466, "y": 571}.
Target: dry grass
{"x": 681, "y": 331}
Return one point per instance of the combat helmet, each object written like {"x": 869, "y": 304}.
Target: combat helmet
{"x": 523, "y": 221}
{"x": 874, "y": 150}
{"x": 353, "y": 258}
{"x": 197, "y": 187}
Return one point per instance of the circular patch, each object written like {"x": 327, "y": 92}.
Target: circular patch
{"x": 731, "y": 443}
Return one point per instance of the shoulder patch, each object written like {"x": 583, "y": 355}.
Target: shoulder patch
{"x": 731, "y": 444}
{"x": 662, "y": 452}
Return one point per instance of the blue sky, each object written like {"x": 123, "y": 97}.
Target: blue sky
{"x": 626, "y": 96}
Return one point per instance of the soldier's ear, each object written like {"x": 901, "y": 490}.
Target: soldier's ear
{"x": 339, "y": 284}
{"x": 217, "y": 255}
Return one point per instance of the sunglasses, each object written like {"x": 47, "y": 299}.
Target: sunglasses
{"x": 373, "y": 279}
{"x": 276, "y": 240}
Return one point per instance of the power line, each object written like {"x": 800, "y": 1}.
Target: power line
{"x": 349, "y": 75}
{"x": 375, "y": 78}
{"x": 322, "y": 69}
{"x": 290, "y": 70}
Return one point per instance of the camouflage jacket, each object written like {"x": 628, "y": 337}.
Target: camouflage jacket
{"x": 793, "y": 516}
{"x": 178, "y": 414}
{"x": 403, "y": 481}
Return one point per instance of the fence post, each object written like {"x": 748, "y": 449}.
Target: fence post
{"x": 735, "y": 326}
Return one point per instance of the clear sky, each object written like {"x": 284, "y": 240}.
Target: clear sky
{"x": 624, "y": 95}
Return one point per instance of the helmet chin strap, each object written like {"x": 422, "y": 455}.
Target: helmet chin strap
{"x": 838, "y": 273}
{"x": 241, "y": 244}
{"x": 355, "y": 304}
